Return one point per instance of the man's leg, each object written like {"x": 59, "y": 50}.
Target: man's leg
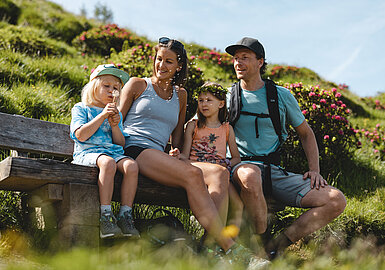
{"x": 325, "y": 205}
{"x": 248, "y": 177}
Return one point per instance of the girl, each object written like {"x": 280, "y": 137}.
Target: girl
{"x": 207, "y": 138}
{"x": 155, "y": 108}
{"x": 96, "y": 128}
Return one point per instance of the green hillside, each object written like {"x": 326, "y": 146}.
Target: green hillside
{"x": 47, "y": 55}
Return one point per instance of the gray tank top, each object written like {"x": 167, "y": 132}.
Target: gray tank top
{"x": 151, "y": 119}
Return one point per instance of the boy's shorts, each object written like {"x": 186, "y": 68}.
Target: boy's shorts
{"x": 288, "y": 189}
{"x": 89, "y": 159}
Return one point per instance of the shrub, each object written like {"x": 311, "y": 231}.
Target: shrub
{"x": 327, "y": 116}
{"x": 30, "y": 41}
{"x": 101, "y": 40}
{"x": 66, "y": 28}
{"x": 9, "y": 11}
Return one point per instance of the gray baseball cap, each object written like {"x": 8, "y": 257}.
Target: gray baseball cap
{"x": 248, "y": 43}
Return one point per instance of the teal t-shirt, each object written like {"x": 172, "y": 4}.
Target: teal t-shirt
{"x": 268, "y": 141}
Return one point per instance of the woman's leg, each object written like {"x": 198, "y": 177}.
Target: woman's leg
{"x": 129, "y": 169}
{"x": 170, "y": 171}
{"x": 107, "y": 170}
{"x": 216, "y": 178}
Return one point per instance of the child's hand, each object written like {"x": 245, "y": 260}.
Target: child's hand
{"x": 114, "y": 119}
{"x": 174, "y": 153}
{"x": 109, "y": 110}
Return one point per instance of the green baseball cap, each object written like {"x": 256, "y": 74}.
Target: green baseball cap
{"x": 110, "y": 69}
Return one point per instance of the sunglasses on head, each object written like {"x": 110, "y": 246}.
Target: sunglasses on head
{"x": 176, "y": 43}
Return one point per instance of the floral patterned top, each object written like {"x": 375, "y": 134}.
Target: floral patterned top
{"x": 209, "y": 144}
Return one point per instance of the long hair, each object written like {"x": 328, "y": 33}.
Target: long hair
{"x": 180, "y": 77}
{"x": 89, "y": 91}
{"x": 220, "y": 93}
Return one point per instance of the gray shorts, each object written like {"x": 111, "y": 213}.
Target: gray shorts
{"x": 89, "y": 159}
{"x": 288, "y": 189}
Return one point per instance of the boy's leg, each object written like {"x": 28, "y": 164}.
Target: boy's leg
{"x": 107, "y": 169}
{"x": 129, "y": 169}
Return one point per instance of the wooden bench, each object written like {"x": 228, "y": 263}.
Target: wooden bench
{"x": 40, "y": 165}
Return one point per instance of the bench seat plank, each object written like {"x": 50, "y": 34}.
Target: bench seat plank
{"x": 26, "y": 174}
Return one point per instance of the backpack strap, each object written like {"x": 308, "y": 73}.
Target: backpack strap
{"x": 273, "y": 106}
{"x": 235, "y": 105}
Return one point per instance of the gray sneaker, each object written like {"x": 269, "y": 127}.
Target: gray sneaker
{"x": 126, "y": 224}
{"x": 239, "y": 254}
{"x": 108, "y": 226}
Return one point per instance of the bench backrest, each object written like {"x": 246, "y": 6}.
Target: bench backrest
{"x": 36, "y": 136}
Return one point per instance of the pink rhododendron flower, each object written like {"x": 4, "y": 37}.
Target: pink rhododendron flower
{"x": 334, "y": 90}
{"x": 333, "y": 106}
{"x": 375, "y": 151}
{"x": 378, "y": 125}
{"x": 326, "y": 137}
{"x": 314, "y": 106}
{"x": 341, "y": 132}
{"x": 311, "y": 94}
{"x": 338, "y": 95}
{"x": 304, "y": 112}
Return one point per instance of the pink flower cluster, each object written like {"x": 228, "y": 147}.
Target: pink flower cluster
{"x": 216, "y": 57}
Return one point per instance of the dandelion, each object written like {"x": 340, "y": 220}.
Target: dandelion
{"x": 230, "y": 231}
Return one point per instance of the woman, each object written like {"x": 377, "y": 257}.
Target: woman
{"x": 155, "y": 108}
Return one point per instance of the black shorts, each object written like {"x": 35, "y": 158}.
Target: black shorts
{"x": 134, "y": 151}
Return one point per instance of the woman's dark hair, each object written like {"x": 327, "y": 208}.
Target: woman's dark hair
{"x": 180, "y": 77}
{"x": 217, "y": 91}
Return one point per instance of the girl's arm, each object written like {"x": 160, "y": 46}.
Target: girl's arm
{"x": 117, "y": 136}
{"x": 130, "y": 91}
{"x": 177, "y": 134}
{"x": 188, "y": 136}
{"x": 235, "y": 156}
{"x": 87, "y": 130}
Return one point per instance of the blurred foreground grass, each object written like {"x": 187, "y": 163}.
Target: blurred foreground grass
{"x": 141, "y": 254}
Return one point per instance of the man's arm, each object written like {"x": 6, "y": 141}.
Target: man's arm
{"x": 309, "y": 144}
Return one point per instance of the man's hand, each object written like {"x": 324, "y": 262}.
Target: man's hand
{"x": 316, "y": 180}
{"x": 174, "y": 153}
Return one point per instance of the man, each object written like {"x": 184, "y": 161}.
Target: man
{"x": 257, "y": 137}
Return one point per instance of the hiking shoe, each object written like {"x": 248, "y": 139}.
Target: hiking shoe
{"x": 239, "y": 254}
{"x": 108, "y": 226}
{"x": 126, "y": 224}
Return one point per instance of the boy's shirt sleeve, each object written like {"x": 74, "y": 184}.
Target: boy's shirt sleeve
{"x": 79, "y": 118}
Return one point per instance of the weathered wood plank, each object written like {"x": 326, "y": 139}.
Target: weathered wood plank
{"x": 33, "y": 135}
{"x": 26, "y": 174}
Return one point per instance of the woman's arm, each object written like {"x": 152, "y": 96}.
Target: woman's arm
{"x": 177, "y": 134}
{"x": 235, "y": 156}
{"x": 131, "y": 91}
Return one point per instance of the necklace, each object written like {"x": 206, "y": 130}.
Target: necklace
{"x": 161, "y": 91}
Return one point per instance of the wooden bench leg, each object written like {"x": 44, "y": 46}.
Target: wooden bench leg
{"x": 78, "y": 216}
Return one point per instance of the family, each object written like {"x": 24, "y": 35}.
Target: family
{"x": 125, "y": 124}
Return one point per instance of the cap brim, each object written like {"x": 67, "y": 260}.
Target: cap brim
{"x": 122, "y": 75}
{"x": 233, "y": 48}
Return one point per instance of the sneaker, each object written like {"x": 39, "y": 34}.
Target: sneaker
{"x": 126, "y": 224}
{"x": 108, "y": 226}
{"x": 242, "y": 255}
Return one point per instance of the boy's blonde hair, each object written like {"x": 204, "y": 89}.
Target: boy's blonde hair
{"x": 89, "y": 91}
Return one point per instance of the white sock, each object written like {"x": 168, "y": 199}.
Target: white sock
{"x": 105, "y": 208}
{"x": 125, "y": 208}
